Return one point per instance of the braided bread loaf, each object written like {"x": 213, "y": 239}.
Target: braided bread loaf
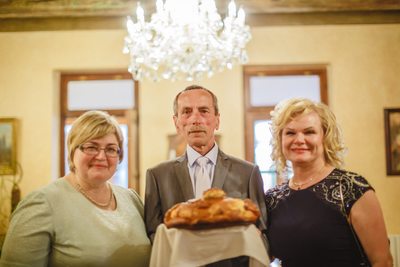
{"x": 214, "y": 209}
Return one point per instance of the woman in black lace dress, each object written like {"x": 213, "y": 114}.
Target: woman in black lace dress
{"x": 310, "y": 215}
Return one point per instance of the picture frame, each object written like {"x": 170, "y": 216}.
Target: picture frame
{"x": 8, "y": 146}
{"x": 392, "y": 140}
{"x": 177, "y": 145}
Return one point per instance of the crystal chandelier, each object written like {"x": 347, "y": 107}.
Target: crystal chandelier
{"x": 185, "y": 39}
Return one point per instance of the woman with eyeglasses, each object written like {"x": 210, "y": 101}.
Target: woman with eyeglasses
{"x": 81, "y": 219}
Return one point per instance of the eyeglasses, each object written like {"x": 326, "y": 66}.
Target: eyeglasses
{"x": 93, "y": 150}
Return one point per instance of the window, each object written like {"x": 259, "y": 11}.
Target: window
{"x": 115, "y": 93}
{"x": 264, "y": 87}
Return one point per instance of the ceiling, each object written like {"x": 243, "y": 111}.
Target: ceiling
{"x": 34, "y": 15}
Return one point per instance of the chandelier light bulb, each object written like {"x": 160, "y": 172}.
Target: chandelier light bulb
{"x": 241, "y": 16}
{"x": 232, "y": 9}
{"x": 140, "y": 13}
{"x": 159, "y": 5}
{"x": 185, "y": 40}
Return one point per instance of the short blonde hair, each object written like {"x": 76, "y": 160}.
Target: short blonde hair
{"x": 287, "y": 110}
{"x": 92, "y": 125}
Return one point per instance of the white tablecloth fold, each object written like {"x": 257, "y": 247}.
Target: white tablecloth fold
{"x": 179, "y": 247}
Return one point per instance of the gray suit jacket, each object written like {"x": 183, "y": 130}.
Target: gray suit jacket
{"x": 169, "y": 183}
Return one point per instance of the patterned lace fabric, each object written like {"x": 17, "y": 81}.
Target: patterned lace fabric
{"x": 328, "y": 190}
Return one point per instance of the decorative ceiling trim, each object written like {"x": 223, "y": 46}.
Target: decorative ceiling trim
{"x": 52, "y": 15}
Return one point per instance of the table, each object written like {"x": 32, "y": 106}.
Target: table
{"x": 180, "y": 247}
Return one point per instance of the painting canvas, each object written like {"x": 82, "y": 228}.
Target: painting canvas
{"x": 392, "y": 132}
{"x": 177, "y": 145}
{"x": 7, "y": 146}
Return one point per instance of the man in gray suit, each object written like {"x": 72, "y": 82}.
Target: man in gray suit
{"x": 196, "y": 118}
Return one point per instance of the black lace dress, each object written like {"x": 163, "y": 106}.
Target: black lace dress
{"x": 308, "y": 228}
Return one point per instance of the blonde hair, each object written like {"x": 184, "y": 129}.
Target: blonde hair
{"x": 286, "y": 111}
{"x": 91, "y": 125}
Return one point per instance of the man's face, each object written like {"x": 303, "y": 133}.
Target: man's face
{"x": 196, "y": 120}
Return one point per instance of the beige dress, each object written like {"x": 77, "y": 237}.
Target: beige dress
{"x": 57, "y": 226}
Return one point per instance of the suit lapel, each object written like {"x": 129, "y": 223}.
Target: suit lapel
{"x": 183, "y": 177}
{"x": 221, "y": 170}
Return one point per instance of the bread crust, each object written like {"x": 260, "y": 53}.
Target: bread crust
{"x": 213, "y": 210}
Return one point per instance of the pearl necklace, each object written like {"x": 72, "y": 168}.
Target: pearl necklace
{"x": 103, "y": 205}
{"x": 299, "y": 185}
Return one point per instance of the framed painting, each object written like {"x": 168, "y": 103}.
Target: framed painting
{"x": 392, "y": 140}
{"x": 8, "y": 146}
{"x": 177, "y": 145}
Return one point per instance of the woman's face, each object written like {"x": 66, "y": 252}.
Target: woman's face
{"x": 96, "y": 168}
{"x": 302, "y": 140}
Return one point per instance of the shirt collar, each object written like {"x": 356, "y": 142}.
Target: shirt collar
{"x": 193, "y": 155}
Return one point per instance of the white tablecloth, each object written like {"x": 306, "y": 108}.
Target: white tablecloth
{"x": 179, "y": 247}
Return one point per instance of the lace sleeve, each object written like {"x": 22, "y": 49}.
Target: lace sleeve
{"x": 354, "y": 186}
{"x": 274, "y": 195}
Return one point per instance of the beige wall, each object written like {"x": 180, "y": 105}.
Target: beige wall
{"x": 364, "y": 62}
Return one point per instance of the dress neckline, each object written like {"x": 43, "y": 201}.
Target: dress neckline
{"x": 97, "y": 208}
{"x": 312, "y": 185}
